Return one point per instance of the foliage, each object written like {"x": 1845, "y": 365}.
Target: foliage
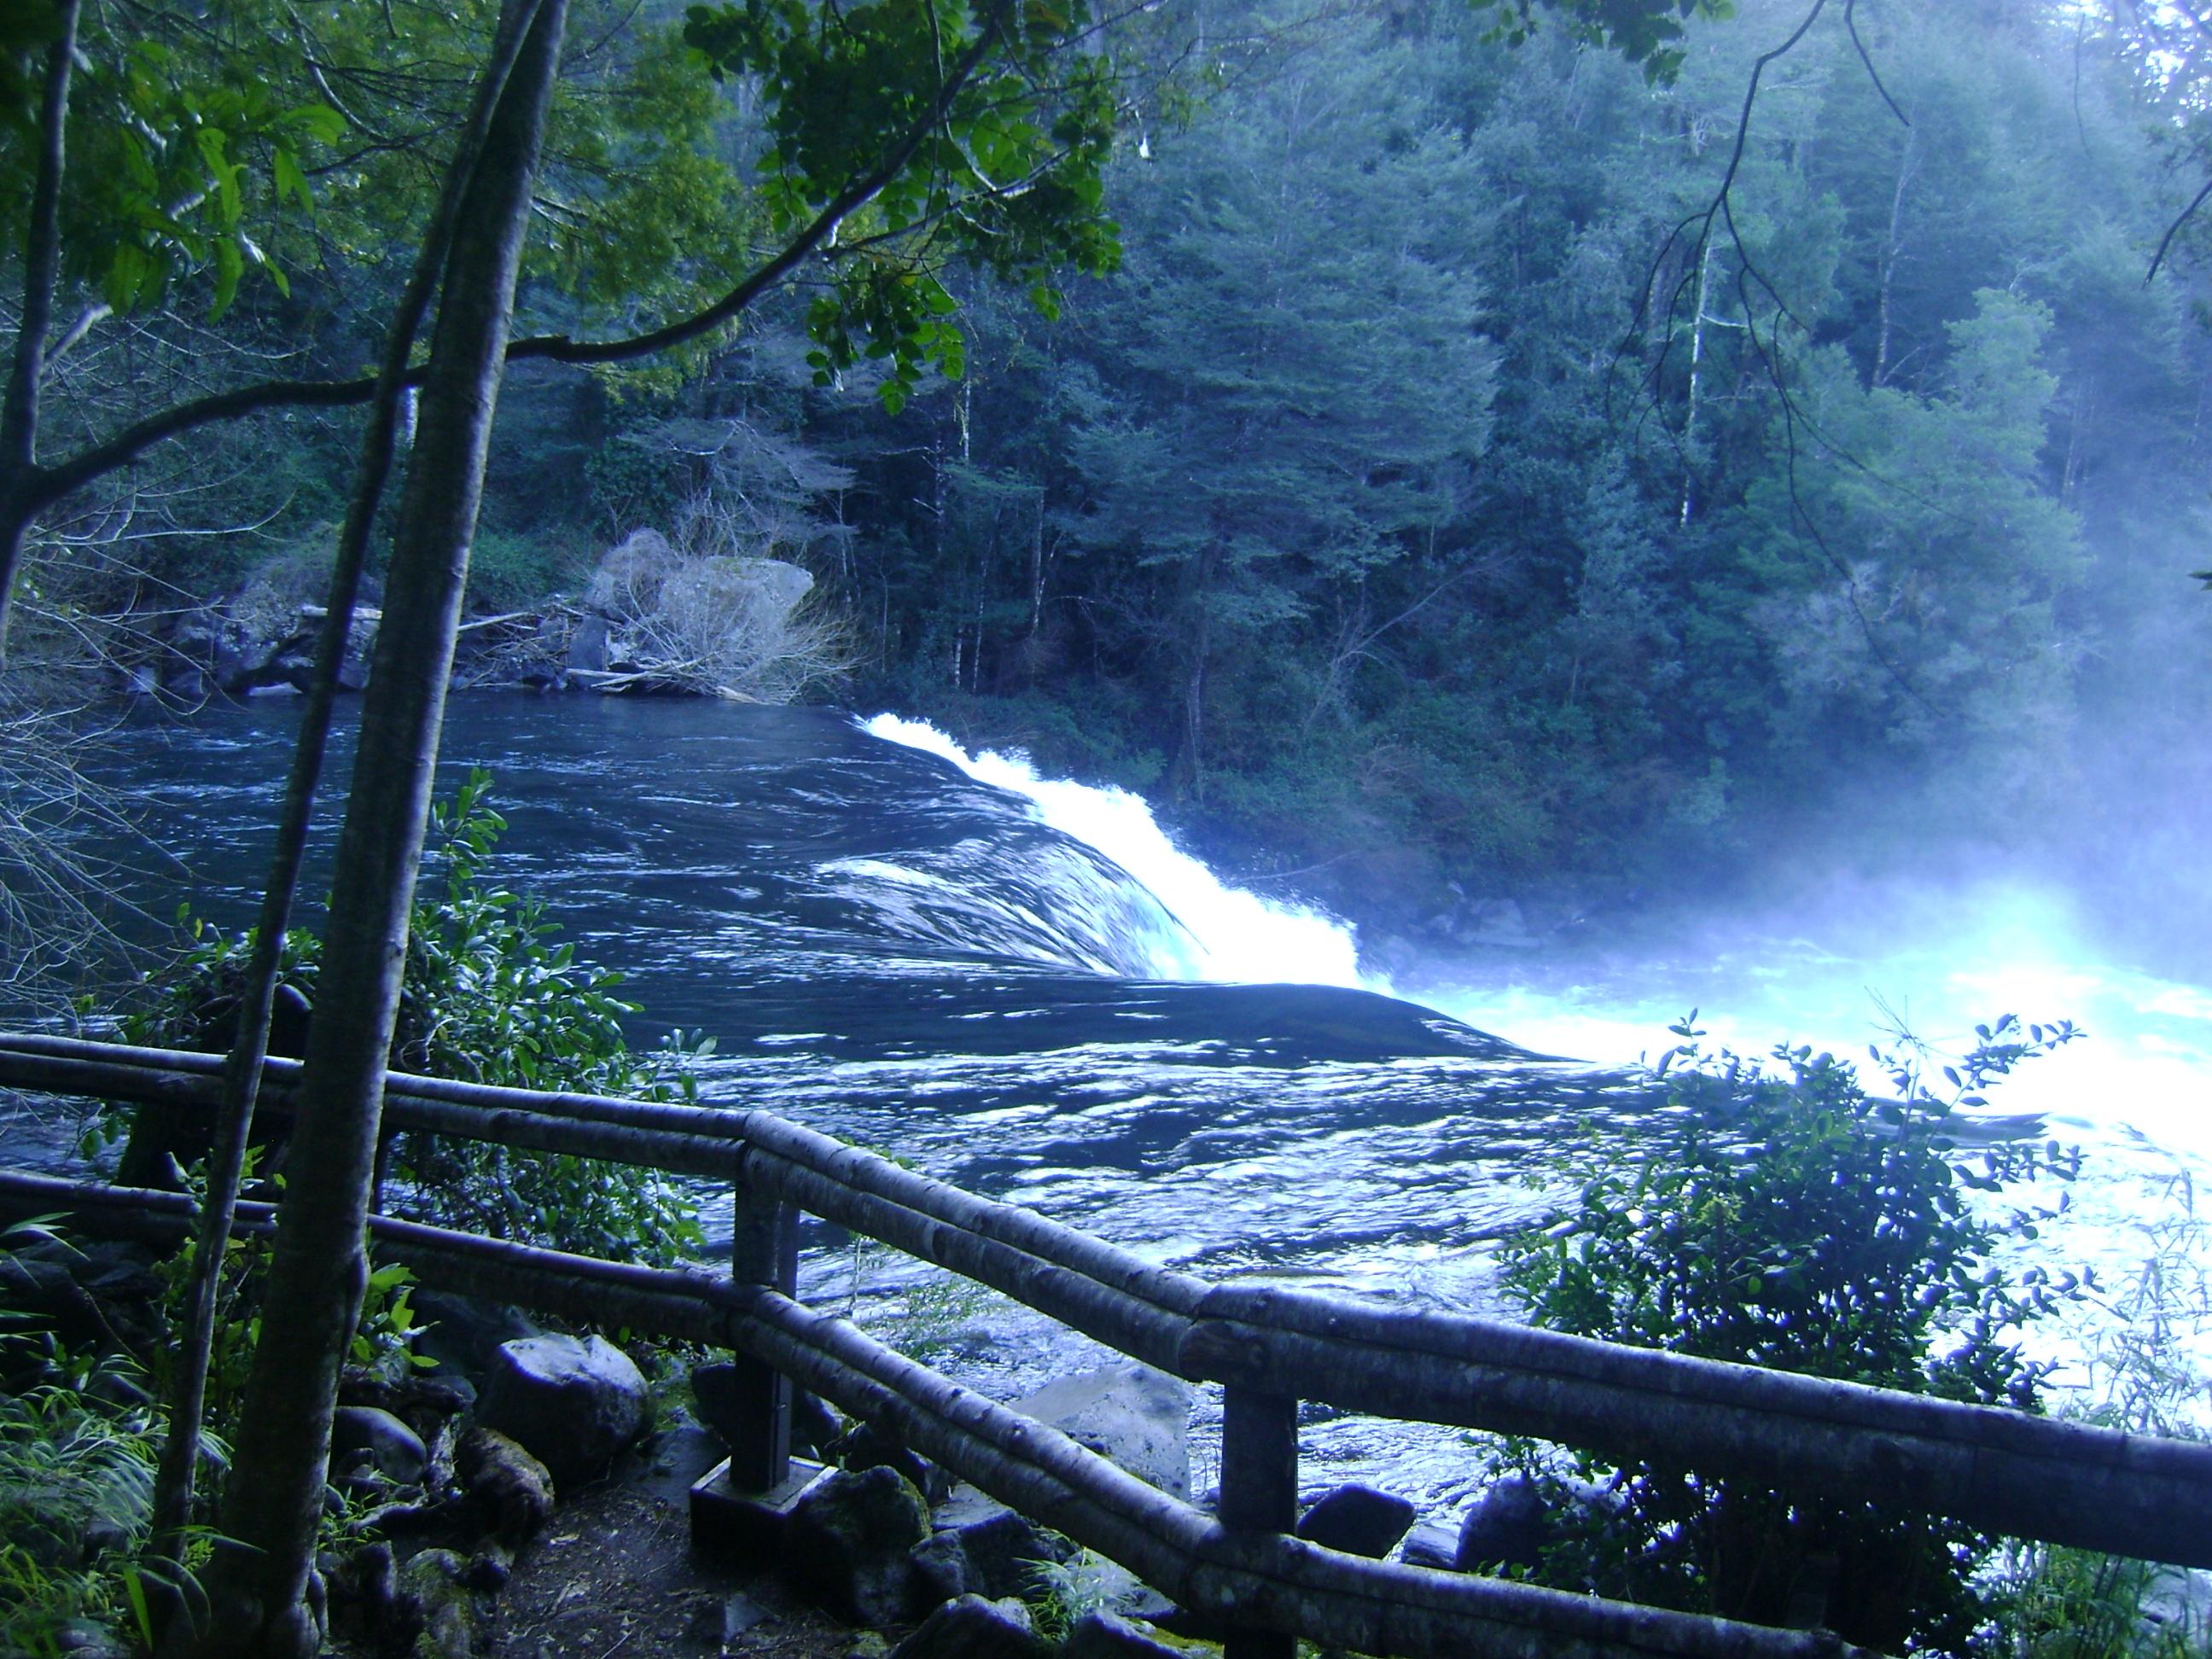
{"x": 489, "y": 997}
{"x": 1009, "y": 168}
{"x": 79, "y": 1444}
{"x": 2146, "y": 1375}
{"x": 1784, "y": 1217}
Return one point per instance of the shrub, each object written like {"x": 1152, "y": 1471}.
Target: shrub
{"x": 490, "y": 998}
{"x": 79, "y": 1444}
{"x": 1785, "y": 1218}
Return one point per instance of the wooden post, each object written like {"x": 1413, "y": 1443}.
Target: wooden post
{"x": 764, "y": 1250}
{"x": 1259, "y": 1490}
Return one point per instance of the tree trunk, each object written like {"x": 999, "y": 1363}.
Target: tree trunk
{"x": 1892, "y": 251}
{"x": 261, "y": 1576}
{"x": 42, "y": 248}
{"x": 173, "y": 1494}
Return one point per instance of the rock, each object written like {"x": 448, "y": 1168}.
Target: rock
{"x": 1109, "y": 1636}
{"x": 852, "y": 1538}
{"x": 719, "y": 1621}
{"x": 1431, "y": 1543}
{"x": 864, "y": 1446}
{"x": 587, "y": 645}
{"x": 1137, "y": 1417}
{"x": 673, "y": 1460}
{"x": 364, "y": 1597}
{"x": 462, "y": 1332}
{"x": 1508, "y": 1524}
{"x": 1002, "y": 1547}
{"x": 970, "y": 1627}
{"x": 815, "y": 1423}
{"x": 86, "y": 1638}
{"x": 572, "y": 1403}
{"x": 1358, "y": 1520}
{"x": 942, "y": 1569}
{"x": 453, "y": 1616}
{"x": 514, "y": 1490}
{"x": 368, "y": 1432}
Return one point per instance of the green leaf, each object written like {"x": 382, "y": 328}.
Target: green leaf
{"x": 230, "y": 267}
{"x": 291, "y": 180}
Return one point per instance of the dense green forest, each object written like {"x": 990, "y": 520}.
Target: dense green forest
{"x": 1438, "y": 484}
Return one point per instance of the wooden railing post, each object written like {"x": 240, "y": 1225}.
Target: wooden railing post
{"x": 763, "y": 1250}
{"x": 1259, "y": 1489}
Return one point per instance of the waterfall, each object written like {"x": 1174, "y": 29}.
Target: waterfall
{"x": 1207, "y": 929}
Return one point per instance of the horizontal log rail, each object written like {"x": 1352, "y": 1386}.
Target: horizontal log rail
{"x": 1214, "y": 1568}
{"x": 2004, "y": 1471}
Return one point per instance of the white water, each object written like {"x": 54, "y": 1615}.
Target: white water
{"x": 2134, "y": 1092}
{"x": 1227, "y": 935}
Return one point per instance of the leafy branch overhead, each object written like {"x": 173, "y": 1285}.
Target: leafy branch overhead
{"x": 1646, "y": 32}
{"x": 1003, "y": 128}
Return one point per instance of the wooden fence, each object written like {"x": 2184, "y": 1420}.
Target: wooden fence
{"x": 2003, "y": 1471}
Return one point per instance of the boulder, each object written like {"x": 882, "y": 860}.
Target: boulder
{"x": 815, "y": 1423}
{"x": 942, "y": 1569}
{"x": 852, "y": 1539}
{"x": 864, "y": 1446}
{"x": 717, "y": 1621}
{"x": 1131, "y": 1413}
{"x": 512, "y": 1489}
{"x": 1358, "y": 1520}
{"x": 1431, "y": 1543}
{"x": 1508, "y": 1524}
{"x": 1109, "y": 1636}
{"x": 587, "y": 645}
{"x": 454, "y": 1615}
{"x": 970, "y": 1627}
{"x": 370, "y": 1434}
{"x": 462, "y": 1332}
{"x": 1002, "y": 1547}
{"x": 571, "y": 1402}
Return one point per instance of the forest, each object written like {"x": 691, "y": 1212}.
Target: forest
{"x": 1415, "y": 462}
{"x": 1523, "y": 446}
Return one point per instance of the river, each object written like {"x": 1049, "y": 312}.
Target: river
{"x": 1023, "y": 987}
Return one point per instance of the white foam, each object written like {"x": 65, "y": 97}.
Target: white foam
{"x": 1227, "y": 934}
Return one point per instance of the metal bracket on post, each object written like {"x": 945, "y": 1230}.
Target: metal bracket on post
{"x": 1259, "y": 1490}
{"x": 745, "y": 1500}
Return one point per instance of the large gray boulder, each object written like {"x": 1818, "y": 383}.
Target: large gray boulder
{"x": 1104, "y": 1635}
{"x": 1002, "y": 1550}
{"x": 1131, "y": 1413}
{"x": 512, "y": 1491}
{"x": 367, "y": 1434}
{"x": 1356, "y": 1519}
{"x": 1508, "y": 1525}
{"x": 970, "y": 1627}
{"x": 852, "y": 1539}
{"x": 571, "y": 1402}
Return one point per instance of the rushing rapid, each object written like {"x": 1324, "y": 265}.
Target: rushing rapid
{"x": 1023, "y": 985}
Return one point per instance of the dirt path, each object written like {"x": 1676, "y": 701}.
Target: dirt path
{"x": 614, "y": 1573}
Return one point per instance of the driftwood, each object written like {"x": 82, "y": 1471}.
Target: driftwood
{"x": 2002, "y": 1470}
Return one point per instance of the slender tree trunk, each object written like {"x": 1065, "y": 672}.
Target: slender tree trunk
{"x": 172, "y": 1495}
{"x": 1892, "y": 251}
{"x": 42, "y": 251}
{"x": 314, "y": 1297}
{"x": 1697, "y": 373}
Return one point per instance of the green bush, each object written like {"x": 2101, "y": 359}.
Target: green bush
{"x": 488, "y": 997}
{"x": 1785, "y": 1218}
